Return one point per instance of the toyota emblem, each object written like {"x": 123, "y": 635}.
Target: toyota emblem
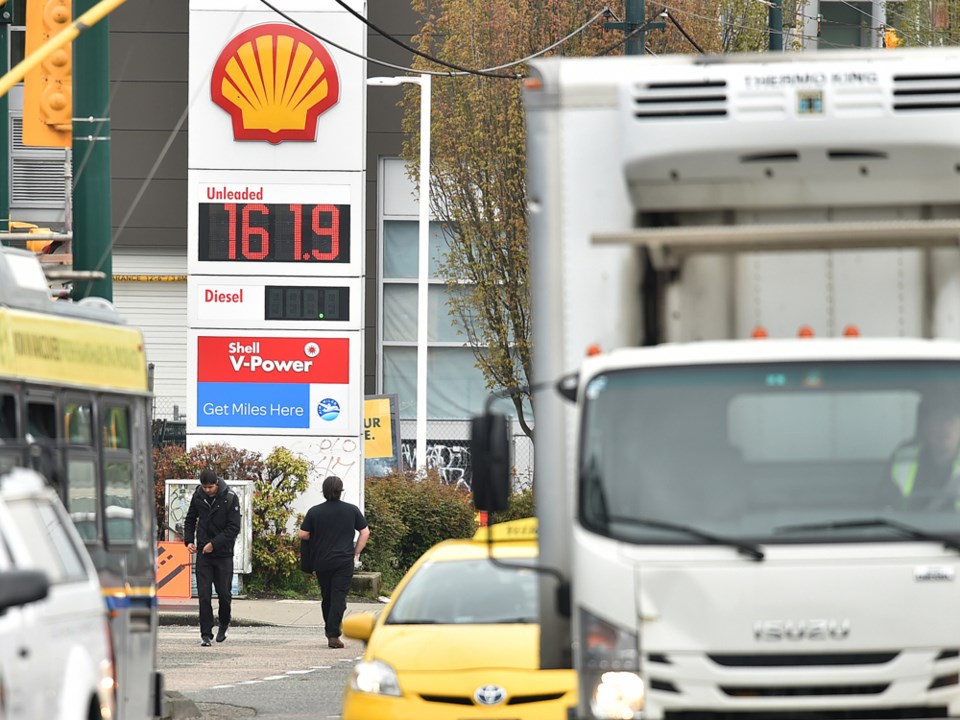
{"x": 490, "y": 695}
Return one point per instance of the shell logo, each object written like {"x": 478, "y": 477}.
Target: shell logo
{"x": 275, "y": 80}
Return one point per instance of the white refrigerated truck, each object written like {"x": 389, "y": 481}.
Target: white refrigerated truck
{"x": 745, "y": 280}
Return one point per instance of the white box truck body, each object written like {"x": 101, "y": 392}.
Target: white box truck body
{"x": 723, "y": 510}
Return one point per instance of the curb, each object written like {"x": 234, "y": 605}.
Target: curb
{"x": 178, "y": 707}
{"x": 190, "y": 619}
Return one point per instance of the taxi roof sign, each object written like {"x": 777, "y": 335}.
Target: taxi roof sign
{"x": 512, "y": 530}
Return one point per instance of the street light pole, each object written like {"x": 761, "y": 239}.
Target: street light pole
{"x": 423, "y": 257}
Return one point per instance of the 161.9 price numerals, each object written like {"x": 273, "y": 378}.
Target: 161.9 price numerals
{"x": 261, "y": 232}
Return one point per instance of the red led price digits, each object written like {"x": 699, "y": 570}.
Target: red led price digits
{"x": 246, "y": 232}
{"x": 252, "y": 241}
{"x": 319, "y": 230}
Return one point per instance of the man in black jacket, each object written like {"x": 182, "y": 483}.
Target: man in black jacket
{"x": 214, "y": 517}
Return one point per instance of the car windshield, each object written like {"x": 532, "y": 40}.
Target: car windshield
{"x": 467, "y": 592}
{"x": 773, "y": 453}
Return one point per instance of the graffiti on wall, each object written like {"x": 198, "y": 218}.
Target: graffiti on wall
{"x": 450, "y": 458}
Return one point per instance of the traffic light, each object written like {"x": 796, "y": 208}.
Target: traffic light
{"x": 891, "y": 38}
{"x": 48, "y": 88}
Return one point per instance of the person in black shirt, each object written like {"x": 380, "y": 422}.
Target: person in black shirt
{"x": 214, "y": 519}
{"x": 330, "y": 528}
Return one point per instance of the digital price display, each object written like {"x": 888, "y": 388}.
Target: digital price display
{"x": 285, "y": 302}
{"x": 263, "y": 232}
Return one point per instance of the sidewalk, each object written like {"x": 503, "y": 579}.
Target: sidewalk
{"x": 249, "y": 612}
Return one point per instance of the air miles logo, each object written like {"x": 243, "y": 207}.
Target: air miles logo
{"x": 275, "y": 80}
{"x": 328, "y": 409}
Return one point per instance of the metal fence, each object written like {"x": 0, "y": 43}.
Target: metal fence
{"x": 168, "y": 408}
{"x": 448, "y": 452}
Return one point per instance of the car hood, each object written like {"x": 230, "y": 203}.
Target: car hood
{"x": 456, "y": 647}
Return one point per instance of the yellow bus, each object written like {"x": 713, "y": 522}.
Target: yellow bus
{"x": 75, "y": 405}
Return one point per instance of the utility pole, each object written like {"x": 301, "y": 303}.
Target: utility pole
{"x": 776, "y": 24}
{"x": 92, "y": 226}
{"x": 6, "y": 18}
{"x": 635, "y": 27}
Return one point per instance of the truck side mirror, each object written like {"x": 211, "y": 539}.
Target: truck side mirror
{"x": 490, "y": 459}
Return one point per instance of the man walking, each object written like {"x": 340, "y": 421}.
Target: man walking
{"x": 330, "y": 528}
{"x": 214, "y": 518}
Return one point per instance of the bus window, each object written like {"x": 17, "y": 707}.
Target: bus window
{"x": 81, "y": 498}
{"x": 8, "y": 417}
{"x": 116, "y": 428}
{"x": 118, "y": 501}
{"x": 77, "y": 418}
{"x": 41, "y": 421}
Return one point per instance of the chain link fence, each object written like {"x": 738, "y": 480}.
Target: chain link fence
{"x": 448, "y": 452}
{"x": 169, "y": 408}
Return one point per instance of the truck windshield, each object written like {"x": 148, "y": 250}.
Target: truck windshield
{"x": 773, "y": 453}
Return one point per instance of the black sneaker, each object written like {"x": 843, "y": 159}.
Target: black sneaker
{"x": 222, "y": 633}
{"x": 205, "y": 642}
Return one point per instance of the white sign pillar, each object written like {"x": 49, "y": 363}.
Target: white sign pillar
{"x": 276, "y": 184}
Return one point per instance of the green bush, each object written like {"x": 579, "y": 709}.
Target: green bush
{"x": 520, "y": 505}
{"x": 411, "y": 516}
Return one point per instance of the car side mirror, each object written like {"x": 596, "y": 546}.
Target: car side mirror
{"x": 359, "y": 626}
{"x": 490, "y": 459}
{"x": 21, "y": 587}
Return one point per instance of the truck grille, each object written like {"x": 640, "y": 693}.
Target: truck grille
{"x": 878, "y": 685}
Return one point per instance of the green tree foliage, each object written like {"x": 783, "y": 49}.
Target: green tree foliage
{"x": 925, "y": 22}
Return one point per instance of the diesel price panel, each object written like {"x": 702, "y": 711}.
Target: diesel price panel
{"x": 267, "y": 232}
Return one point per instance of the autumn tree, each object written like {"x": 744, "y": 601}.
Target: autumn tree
{"x": 478, "y": 160}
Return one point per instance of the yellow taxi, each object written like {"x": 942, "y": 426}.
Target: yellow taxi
{"x": 459, "y": 638}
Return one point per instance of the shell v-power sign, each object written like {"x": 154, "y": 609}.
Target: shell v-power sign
{"x": 275, "y": 231}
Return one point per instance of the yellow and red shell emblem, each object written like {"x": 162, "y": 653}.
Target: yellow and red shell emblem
{"x": 275, "y": 80}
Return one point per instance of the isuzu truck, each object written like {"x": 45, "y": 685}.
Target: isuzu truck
{"x": 746, "y": 310}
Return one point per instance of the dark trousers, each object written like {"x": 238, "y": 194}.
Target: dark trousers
{"x": 334, "y": 586}
{"x": 213, "y": 572}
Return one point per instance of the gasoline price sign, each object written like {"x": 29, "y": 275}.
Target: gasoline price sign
{"x": 264, "y": 232}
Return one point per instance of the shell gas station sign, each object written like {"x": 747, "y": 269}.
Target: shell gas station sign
{"x": 275, "y": 81}
{"x": 275, "y": 242}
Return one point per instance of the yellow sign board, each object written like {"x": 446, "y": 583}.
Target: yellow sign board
{"x": 377, "y": 428}
{"x": 71, "y": 351}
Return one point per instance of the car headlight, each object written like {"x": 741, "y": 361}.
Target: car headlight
{"x": 375, "y": 677}
{"x": 610, "y": 670}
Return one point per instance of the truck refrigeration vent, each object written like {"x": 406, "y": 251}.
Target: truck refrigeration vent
{"x": 912, "y": 93}
{"x": 803, "y": 660}
{"x": 696, "y": 99}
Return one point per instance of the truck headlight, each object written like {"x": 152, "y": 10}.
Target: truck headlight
{"x": 610, "y": 670}
{"x": 375, "y": 677}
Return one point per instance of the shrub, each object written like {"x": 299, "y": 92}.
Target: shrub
{"x": 519, "y": 505}
{"x": 414, "y": 515}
